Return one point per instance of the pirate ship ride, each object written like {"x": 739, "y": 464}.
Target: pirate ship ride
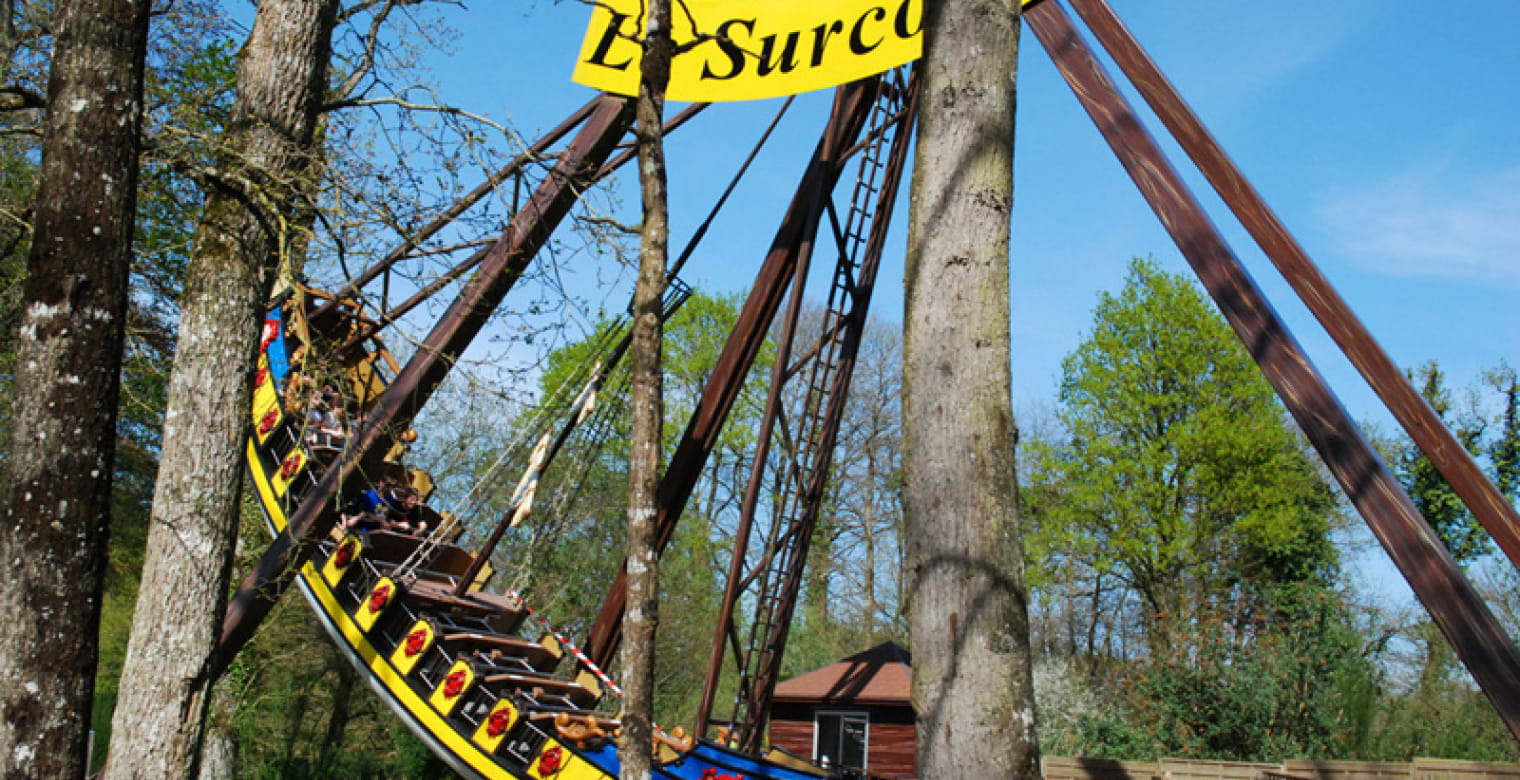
{"x": 490, "y": 685}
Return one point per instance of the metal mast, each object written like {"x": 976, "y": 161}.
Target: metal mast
{"x": 825, "y": 361}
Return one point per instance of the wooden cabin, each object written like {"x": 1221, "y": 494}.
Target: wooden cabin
{"x": 855, "y": 713}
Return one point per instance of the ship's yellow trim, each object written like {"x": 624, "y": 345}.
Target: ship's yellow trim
{"x": 387, "y": 592}
{"x": 483, "y": 735}
{"x": 261, "y": 484}
{"x": 265, "y": 400}
{"x": 297, "y": 461}
{"x": 332, "y": 573}
{"x": 394, "y": 681}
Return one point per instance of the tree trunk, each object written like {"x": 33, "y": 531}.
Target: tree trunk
{"x": 219, "y": 746}
{"x": 971, "y": 665}
{"x": 641, "y": 615}
{"x": 60, "y": 456}
{"x": 869, "y": 528}
{"x": 219, "y": 757}
{"x": 266, "y": 174}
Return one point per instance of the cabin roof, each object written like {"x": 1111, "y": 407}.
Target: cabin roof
{"x": 881, "y": 675}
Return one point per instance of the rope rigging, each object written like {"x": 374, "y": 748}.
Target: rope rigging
{"x": 606, "y": 361}
{"x": 597, "y": 420}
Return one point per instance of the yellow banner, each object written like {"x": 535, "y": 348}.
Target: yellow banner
{"x": 749, "y": 49}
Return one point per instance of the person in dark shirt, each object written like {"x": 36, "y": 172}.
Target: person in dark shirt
{"x": 366, "y": 512}
{"x": 385, "y": 507}
{"x": 402, "y": 513}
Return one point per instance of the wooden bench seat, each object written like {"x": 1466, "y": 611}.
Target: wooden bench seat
{"x": 502, "y": 614}
{"x": 445, "y": 563}
{"x": 396, "y": 548}
{"x": 537, "y": 656}
{"x": 540, "y": 687}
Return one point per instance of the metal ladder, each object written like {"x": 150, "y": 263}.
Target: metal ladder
{"x": 774, "y": 582}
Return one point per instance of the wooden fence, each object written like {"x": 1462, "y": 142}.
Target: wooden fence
{"x": 1058, "y": 768}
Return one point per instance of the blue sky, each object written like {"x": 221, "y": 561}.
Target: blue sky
{"x": 1384, "y": 132}
{"x": 1384, "y": 135}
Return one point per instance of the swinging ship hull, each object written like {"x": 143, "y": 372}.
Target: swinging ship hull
{"x": 404, "y": 699}
{"x": 479, "y": 732}
{"x": 394, "y": 631}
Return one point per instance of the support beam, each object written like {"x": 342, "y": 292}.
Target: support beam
{"x": 831, "y": 366}
{"x": 1436, "y": 579}
{"x": 1391, "y": 385}
{"x": 503, "y": 265}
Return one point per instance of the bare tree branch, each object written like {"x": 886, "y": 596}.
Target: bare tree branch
{"x": 403, "y": 103}
{"x": 443, "y": 250}
{"x": 371, "y": 45}
{"x": 25, "y": 98}
{"x": 611, "y": 223}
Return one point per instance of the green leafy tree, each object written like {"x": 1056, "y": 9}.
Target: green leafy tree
{"x": 1298, "y": 687}
{"x": 1463, "y": 536}
{"x": 1504, "y": 450}
{"x": 1178, "y": 476}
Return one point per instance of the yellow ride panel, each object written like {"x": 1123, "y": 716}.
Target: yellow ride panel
{"x": 452, "y": 688}
{"x": 342, "y": 559}
{"x": 556, "y": 762}
{"x": 373, "y": 606}
{"x": 290, "y": 468}
{"x": 494, "y": 728}
{"x": 267, "y": 414}
{"x": 412, "y": 649}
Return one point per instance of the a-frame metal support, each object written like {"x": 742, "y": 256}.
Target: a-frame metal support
{"x": 1455, "y": 605}
{"x": 1391, "y": 385}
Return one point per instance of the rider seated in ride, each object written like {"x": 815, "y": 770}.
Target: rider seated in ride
{"x": 385, "y": 507}
{"x": 324, "y": 420}
{"x": 403, "y": 513}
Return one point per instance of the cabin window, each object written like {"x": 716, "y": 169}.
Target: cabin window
{"x": 840, "y": 738}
